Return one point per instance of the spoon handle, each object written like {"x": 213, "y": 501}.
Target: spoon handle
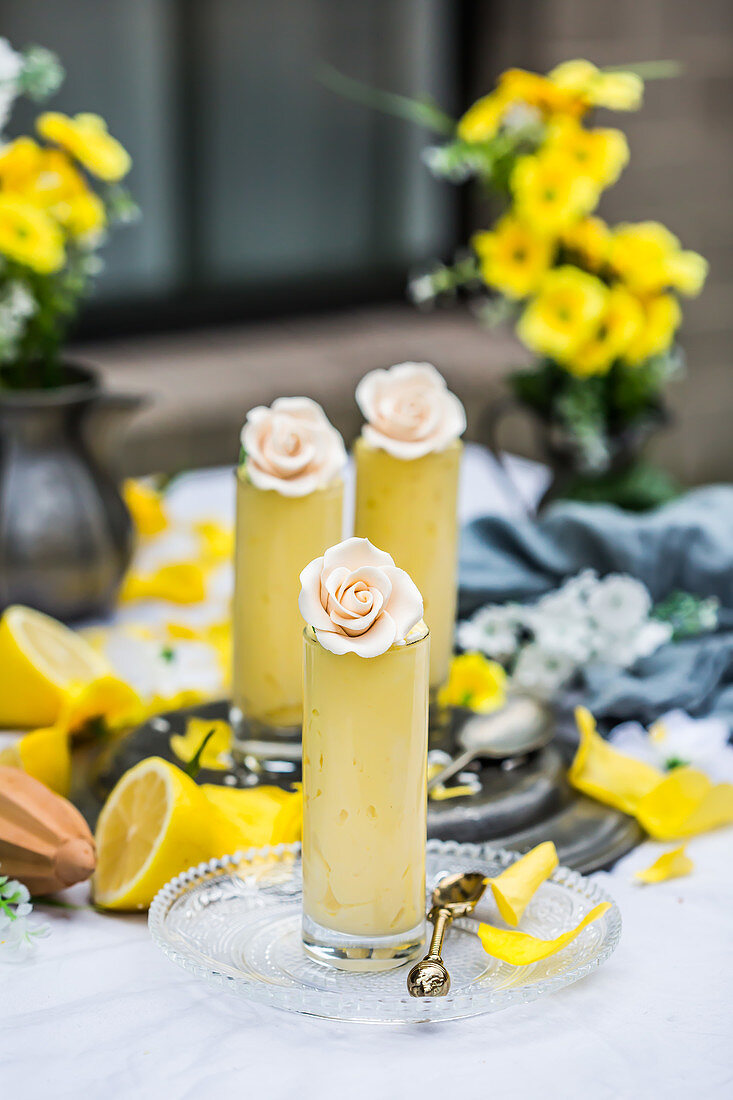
{"x": 441, "y": 920}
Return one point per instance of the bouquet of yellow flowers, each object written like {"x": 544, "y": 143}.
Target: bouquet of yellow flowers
{"x": 58, "y": 197}
{"x": 599, "y": 305}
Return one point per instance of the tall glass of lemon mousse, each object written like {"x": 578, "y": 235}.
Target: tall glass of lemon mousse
{"x": 407, "y": 465}
{"x": 289, "y": 509}
{"x": 365, "y": 726}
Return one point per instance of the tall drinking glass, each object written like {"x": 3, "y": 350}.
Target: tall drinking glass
{"x": 365, "y": 730}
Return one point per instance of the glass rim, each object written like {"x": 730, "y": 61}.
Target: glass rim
{"x": 309, "y": 635}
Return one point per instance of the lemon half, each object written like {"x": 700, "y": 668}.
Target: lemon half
{"x": 40, "y": 659}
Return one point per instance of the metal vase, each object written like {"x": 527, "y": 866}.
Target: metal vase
{"x": 65, "y": 532}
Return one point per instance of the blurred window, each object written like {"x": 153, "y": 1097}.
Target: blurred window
{"x": 262, "y": 191}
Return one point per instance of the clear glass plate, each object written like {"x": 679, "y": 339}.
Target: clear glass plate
{"x": 235, "y": 922}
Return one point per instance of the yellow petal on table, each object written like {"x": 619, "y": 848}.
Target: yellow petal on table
{"x": 442, "y": 794}
{"x": 252, "y": 814}
{"x": 520, "y": 949}
{"x": 674, "y": 864}
{"x": 217, "y": 540}
{"x": 107, "y": 698}
{"x": 217, "y": 752}
{"x": 514, "y": 888}
{"x": 146, "y": 507}
{"x": 44, "y": 754}
{"x": 685, "y": 803}
{"x": 181, "y": 582}
{"x": 605, "y": 774}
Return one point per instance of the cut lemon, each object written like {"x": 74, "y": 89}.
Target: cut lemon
{"x": 40, "y": 660}
{"x": 155, "y": 824}
{"x": 45, "y": 755}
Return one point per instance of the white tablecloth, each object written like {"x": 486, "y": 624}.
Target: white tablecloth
{"x": 99, "y": 1013}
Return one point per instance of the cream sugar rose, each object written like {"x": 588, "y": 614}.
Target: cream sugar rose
{"x": 364, "y": 753}
{"x": 407, "y": 466}
{"x": 289, "y": 506}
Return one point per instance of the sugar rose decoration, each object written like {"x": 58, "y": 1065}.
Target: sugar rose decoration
{"x": 291, "y": 447}
{"x": 409, "y": 410}
{"x": 357, "y": 600}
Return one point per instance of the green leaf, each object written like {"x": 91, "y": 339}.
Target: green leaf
{"x": 424, "y": 112}
{"x": 194, "y": 766}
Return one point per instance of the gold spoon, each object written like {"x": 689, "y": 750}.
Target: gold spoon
{"x": 454, "y": 896}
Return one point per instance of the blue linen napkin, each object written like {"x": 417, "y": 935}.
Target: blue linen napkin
{"x": 685, "y": 545}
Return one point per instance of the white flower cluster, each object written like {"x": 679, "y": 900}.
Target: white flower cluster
{"x": 586, "y": 620}
{"x": 16, "y": 932}
{"x": 17, "y": 304}
{"x": 676, "y": 740}
{"x": 11, "y": 67}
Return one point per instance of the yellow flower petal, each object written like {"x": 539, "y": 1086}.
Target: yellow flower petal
{"x": 216, "y": 754}
{"x": 520, "y": 949}
{"x": 106, "y": 697}
{"x": 607, "y": 775}
{"x": 87, "y": 139}
{"x": 674, "y": 864}
{"x": 549, "y": 192}
{"x": 514, "y": 888}
{"x": 29, "y": 236}
{"x": 512, "y": 258}
{"x": 474, "y": 682}
{"x": 146, "y": 507}
{"x": 217, "y": 539}
{"x": 685, "y": 803}
{"x": 482, "y": 120}
{"x": 565, "y": 314}
{"x": 181, "y": 582}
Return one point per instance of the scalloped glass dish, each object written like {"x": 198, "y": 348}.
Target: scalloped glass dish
{"x": 235, "y": 922}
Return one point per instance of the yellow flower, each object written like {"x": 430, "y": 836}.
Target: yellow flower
{"x": 474, "y": 682}
{"x": 674, "y": 864}
{"x": 29, "y": 236}
{"x": 513, "y": 258}
{"x": 550, "y": 194}
{"x": 483, "y": 119}
{"x": 620, "y": 322}
{"x": 84, "y": 216}
{"x": 87, "y": 139}
{"x": 661, "y": 316}
{"x": 146, "y": 507}
{"x": 564, "y": 314}
{"x": 549, "y": 97}
{"x": 217, "y": 752}
{"x": 620, "y": 91}
{"x": 687, "y": 272}
{"x": 589, "y": 240}
{"x": 600, "y": 154}
{"x": 641, "y": 255}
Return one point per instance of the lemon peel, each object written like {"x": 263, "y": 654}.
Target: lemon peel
{"x": 673, "y": 864}
{"x": 515, "y": 887}
{"x": 521, "y": 949}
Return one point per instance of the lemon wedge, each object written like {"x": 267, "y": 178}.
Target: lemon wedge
{"x": 40, "y": 660}
{"x": 44, "y": 754}
{"x": 155, "y": 824}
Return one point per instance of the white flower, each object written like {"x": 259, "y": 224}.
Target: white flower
{"x": 619, "y": 604}
{"x": 17, "y": 304}
{"x": 677, "y": 739}
{"x": 493, "y": 630}
{"x": 541, "y": 673}
{"x": 409, "y": 410}
{"x": 357, "y": 600}
{"x": 11, "y": 65}
{"x": 16, "y": 932}
{"x": 154, "y": 668}
{"x": 292, "y": 447}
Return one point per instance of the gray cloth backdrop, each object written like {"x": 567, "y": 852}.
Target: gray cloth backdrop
{"x": 686, "y": 545}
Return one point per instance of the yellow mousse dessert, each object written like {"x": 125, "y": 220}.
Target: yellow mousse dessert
{"x": 364, "y": 759}
{"x": 407, "y": 467}
{"x": 289, "y": 509}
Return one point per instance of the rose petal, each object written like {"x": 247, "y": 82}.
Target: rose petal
{"x": 685, "y": 803}
{"x": 520, "y": 949}
{"x": 514, "y": 888}
{"x": 302, "y": 408}
{"x": 309, "y": 600}
{"x": 404, "y": 604}
{"x": 355, "y": 553}
{"x": 674, "y": 864}
{"x": 376, "y": 641}
{"x": 606, "y": 774}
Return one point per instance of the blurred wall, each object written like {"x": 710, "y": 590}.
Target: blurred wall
{"x": 680, "y": 172}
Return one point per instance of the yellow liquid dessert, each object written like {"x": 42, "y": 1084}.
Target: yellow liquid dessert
{"x": 276, "y": 537}
{"x": 365, "y": 726}
{"x": 409, "y": 507}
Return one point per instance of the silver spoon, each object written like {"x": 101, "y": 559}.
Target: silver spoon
{"x": 522, "y": 726}
{"x": 454, "y": 896}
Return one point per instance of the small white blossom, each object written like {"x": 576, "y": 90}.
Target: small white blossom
{"x": 677, "y": 739}
{"x": 16, "y": 932}
{"x": 541, "y": 672}
{"x": 494, "y": 631}
{"x": 619, "y": 603}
